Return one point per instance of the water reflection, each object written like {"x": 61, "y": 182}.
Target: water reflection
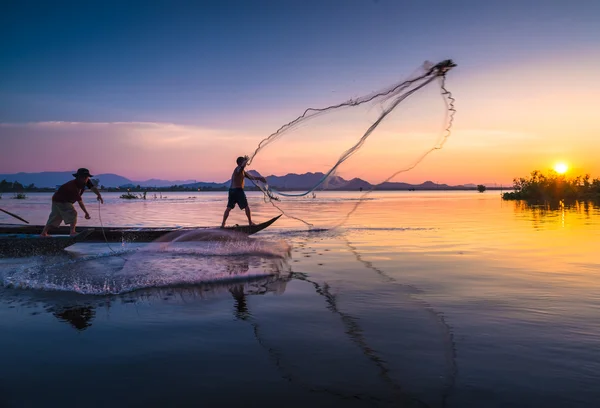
{"x": 448, "y": 333}
{"x": 561, "y": 213}
{"x": 79, "y": 311}
{"x": 290, "y": 367}
{"x": 352, "y": 329}
{"x": 79, "y": 317}
{"x": 241, "y": 311}
{"x": 396, "y": 306}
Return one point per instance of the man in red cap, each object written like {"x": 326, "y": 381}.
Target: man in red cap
{"x": 64, "y": 198}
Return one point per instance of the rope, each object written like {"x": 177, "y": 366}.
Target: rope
{"x": 346, "y": 155}
{"x": 104, "y": 234}
{"x": 269, "y": 198}
{"x": 451, "y": 110}
{"x": 437, "y": 71}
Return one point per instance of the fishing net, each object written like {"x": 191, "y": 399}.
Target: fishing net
{"x": 385, "y": 133}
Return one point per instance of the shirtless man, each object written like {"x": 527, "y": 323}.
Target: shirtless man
{"x": 236, "y": 190}
{"x": 64, "y": 198}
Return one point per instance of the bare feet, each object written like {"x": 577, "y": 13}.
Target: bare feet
{"x": 44, "y": 234}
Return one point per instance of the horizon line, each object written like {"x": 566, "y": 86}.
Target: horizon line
{"x": 272, "y": 175}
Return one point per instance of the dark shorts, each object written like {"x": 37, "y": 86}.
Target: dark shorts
{"x": 237, "y": 196}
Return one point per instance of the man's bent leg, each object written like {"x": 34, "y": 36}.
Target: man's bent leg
{"x": 73, "y": 226}
{"x": 69, "y": 215}
{"x": 54, "y": 220}
{"x": 249, "y": 215}
{"x": 225, "y": 215}
{"x": 45, "y": 230}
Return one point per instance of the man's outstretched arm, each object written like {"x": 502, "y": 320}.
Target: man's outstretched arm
{"x": 250, "y": 176}
{"x": 92, "y": 187}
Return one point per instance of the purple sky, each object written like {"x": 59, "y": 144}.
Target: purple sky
{"x": 172, "y": 91}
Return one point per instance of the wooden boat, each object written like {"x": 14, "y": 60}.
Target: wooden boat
{"x": 129, "y": 234}
{"x": 13, "y": 245}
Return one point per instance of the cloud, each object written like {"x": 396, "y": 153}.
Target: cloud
{"x": 133, "y": 149}
{"x": 143, "y": 150}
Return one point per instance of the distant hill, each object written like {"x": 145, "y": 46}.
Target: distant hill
{"x": 290, "y": 181}
{"x": 45, "y": 179}
{"x": 163, "y": 183}
{"x": 54, "y": 178}
{"x": 206, "y": 185}
{"x": 112, "y": 180}
{"x": 293, "y": 181}
{"x": 302, "y": 181}
{"x": 428, "y": 185}
{"x": 357, "y": 184}
{"x": 306, "y": 181}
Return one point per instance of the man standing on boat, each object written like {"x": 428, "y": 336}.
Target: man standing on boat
{"x": 236, "y": 190}
{"x": 64, "y": 198}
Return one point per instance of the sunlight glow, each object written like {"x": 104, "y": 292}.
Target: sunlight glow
{"x": 561, "y": 168}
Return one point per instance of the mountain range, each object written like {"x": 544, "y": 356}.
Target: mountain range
{"x": 288, "y": 182}
{"x": 54, "y": 178}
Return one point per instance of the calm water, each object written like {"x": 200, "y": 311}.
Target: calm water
{"x": 420, "y": 299}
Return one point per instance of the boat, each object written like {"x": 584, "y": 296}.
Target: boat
{"x": 127, "y": 234}
{"x": 14, "y": 245}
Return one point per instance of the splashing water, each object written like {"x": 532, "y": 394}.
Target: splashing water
{"x": 189, "y": 258}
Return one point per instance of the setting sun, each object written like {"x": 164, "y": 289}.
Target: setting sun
{"x": 561, "y": 168}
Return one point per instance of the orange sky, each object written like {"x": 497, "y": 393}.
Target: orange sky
{"x": 178, "y": 93}
{"x": 510, "y": 120}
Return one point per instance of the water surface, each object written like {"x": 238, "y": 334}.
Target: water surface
{"x": 453, "y": 299}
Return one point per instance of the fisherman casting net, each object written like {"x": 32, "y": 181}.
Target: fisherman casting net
{"x": 386, "y": 133}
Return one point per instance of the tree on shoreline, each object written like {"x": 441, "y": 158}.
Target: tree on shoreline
{"x": 554, "y": 186}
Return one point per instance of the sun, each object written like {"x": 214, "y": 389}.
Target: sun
{"x": 561, "y": 168}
